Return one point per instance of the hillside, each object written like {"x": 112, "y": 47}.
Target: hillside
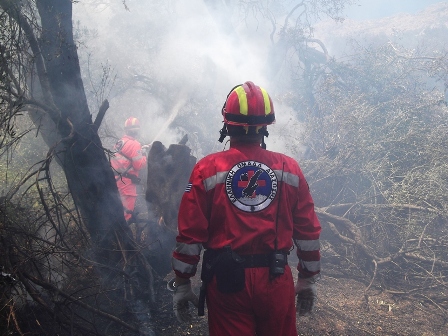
{"x": 427, "y": 29}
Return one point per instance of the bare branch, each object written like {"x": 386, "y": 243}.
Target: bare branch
{"x": 13, "y": 10}
{"x": 101, "y": 113}
{"x": 76, "y": 301}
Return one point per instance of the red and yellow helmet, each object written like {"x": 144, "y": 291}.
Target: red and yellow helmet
{"x": 131, "y": 124}
{"x": 247, "y": 110}
{"x": 248, "y": 105}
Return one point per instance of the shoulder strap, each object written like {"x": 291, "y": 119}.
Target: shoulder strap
{"x": 123, "y": 154}
{"x": 127, "y": 158}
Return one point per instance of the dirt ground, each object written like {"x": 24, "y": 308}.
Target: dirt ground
{"x": 341, "y": 309}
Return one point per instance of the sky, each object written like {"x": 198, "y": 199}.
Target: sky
{"x": 375, "y": 9}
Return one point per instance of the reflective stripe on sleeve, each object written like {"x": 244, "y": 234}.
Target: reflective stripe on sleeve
{"x": 120, "y": 170}
{"x": 307, "y": 245}
{"x": 212, "y": 181}
{"x": 188, "y": 249}
{"x": 182, "y": 267}
{"x": 137, "y": 157}
{"x": 310, "y": 266}
{"x": 118, "y": 157}
{"x": 288, "y": 178}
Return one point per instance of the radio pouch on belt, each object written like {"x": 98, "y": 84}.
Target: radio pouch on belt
{"x": 228, "y": 268}
{"x": 277, "y": 263}
{"x": 229, "y": 272}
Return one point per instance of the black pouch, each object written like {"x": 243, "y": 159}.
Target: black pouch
{"x": 229, "y": 272}
{"x": 208, "y": 267}
{"x": 277, "y": 263}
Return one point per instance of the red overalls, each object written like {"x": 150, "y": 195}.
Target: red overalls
{"x": 249, "y": 198}
{"x": 128, "y": 160}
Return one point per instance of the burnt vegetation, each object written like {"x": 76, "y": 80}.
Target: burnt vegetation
{"x": 378, "y": 166}
{"x": 376, "y": 152}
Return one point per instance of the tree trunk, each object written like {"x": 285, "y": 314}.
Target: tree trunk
{"x": 85, "y": 164}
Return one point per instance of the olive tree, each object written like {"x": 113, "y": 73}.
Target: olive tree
{"x": 76, "y": 246}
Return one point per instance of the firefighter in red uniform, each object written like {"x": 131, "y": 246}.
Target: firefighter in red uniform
{"x": 127, "y": 162}
{"x": 247, "y": 206}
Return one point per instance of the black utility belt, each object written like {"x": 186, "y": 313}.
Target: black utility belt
{"x": 228, "y": 267}
{"x": 134, "y": 179}
{"x": 262, "y": 260}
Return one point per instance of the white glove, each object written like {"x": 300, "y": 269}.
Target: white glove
{"x": 306, "y": 295}
{"x": 145, "y": 149}
{"x": 183, "y": 294}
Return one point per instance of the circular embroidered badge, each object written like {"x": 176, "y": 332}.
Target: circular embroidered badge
{"x": 251, "y": 186}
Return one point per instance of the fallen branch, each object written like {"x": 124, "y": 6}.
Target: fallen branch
{"x": 73, "y": 300}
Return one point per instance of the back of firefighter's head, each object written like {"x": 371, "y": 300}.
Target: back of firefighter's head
{"x": 247, "y": 111}
{"x": 132, "y": 127}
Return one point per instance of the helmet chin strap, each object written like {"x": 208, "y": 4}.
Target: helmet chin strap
{"x": 265, "y": 133}
{"x": 223, "y": 132}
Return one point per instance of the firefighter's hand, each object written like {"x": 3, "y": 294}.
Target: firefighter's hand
{"x": 182, "y": 295}
{"x": 306, "y": 295}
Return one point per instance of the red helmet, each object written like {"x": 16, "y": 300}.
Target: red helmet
{"x": 248, "y": 105}
{"x": 247, "y": 111}
{"x": 131, "y": 124}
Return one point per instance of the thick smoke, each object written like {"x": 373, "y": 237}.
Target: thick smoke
{"x": 174, "y": 64}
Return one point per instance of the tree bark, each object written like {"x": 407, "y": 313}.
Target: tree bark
{"x": 57, "y": 101}
{"x": 85, "y": 164}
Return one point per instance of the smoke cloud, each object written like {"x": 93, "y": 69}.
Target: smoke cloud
{"x": 174, "y": 63}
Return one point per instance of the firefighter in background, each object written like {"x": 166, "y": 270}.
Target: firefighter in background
{"x": 127, "y": 162}
{"x": 247, "y": 206}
